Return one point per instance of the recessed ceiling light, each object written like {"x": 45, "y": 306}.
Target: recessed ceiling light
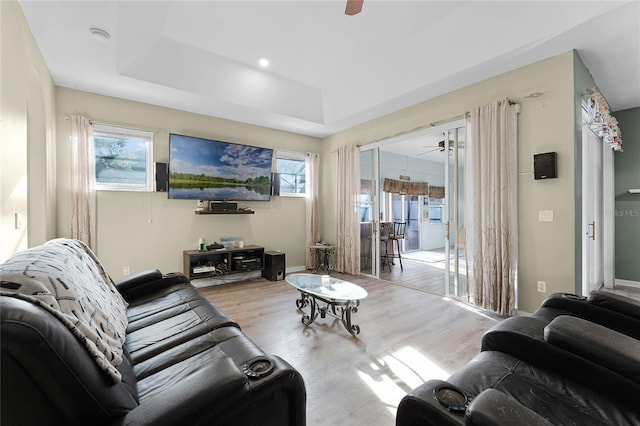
{"x": 263, "y": 62}
{"x": 99, "y": 34}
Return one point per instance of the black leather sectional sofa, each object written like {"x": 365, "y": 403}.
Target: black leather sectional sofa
{"x": 575, "y": 361}
{"x": 184, "y": 363}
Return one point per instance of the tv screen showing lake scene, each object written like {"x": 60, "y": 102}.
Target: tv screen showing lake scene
{"x": 204, "y": 169}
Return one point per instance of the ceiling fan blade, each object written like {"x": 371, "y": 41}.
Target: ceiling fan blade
{"x": 353, "y": 7}
{"x": 427, "y": 152}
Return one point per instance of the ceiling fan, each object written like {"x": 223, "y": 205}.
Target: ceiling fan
{"x": 439, "y": 147}
{"x": 353, "y": 7}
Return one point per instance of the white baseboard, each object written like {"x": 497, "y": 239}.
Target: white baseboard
{"x": 627, "y": 283}
{"x": 296, "y": 269}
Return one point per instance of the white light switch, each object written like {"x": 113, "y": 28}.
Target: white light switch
{"x": 545, "y": 215}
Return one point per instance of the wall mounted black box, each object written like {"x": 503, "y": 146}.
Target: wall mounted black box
{"x": 274, "y": 266}
{"x": 544, "y": 166}
{"x": 162, "y": 181}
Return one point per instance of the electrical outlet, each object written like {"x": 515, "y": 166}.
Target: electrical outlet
{"x": 125, "y": 270}
{"x": 542, "y": 286}
{"x": 545, "y": 215}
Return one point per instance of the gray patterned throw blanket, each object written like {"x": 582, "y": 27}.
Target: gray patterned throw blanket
{"x": 64, "y": 277}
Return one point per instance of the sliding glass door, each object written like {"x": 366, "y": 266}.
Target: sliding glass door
{"x": 435, "y": 157}
{"x": 369, "y": 212}
{"x": 456, "y": 269}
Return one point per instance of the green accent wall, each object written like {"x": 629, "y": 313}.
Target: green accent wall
{"x": 627, "y": 206}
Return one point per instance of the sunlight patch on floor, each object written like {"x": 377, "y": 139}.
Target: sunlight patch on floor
{"x": 395, "y": 374}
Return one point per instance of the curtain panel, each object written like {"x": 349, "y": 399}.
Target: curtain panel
{"x": 491, "y": 205}
{"x": 348, "y": 223}
{"x": 83, "y": 193}
{"x": 312, "y": 219}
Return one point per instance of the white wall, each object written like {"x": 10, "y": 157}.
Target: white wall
{"x": 393, "y": 165}
{"x": 546, "y": 250}
{"x": 127, "y": 238}
{"x": 27, "y": 151}
{"x": 147, "y": 230}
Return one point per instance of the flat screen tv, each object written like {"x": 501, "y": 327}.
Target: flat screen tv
{"x": 204, "y": 169}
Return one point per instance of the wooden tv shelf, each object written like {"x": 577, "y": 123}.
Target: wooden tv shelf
{"x": 225, "y": 212}
{"x": 198, "y": 264}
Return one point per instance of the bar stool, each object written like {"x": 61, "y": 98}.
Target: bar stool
{"x": 386, "y": 229}
{"x": 396, "y": 234}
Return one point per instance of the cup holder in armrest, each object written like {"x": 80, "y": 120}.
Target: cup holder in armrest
{"x": 451, "y": 398}
{"x": 257, "y": 367}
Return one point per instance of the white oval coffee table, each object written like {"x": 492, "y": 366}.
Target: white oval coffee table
{"x": 338, "y": 298}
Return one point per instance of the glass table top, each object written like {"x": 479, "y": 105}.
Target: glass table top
{"x": 326, "y": 287}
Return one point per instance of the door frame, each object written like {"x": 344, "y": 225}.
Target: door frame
{"x": 375, "y": 146}
{"x": 452, "y": 211}
{"x": 607, "y": 212}
{"x": 374, "y": 248}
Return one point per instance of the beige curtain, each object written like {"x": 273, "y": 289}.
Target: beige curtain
{"x": 348, "y": 226}
{"x": 312, "y": 234}
{"x": 491, "y": 205}
{"x": 83, "y": 194}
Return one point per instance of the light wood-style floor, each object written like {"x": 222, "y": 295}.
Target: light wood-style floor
{"x": 407, "y": 337}
{"x": 423, "y": 276}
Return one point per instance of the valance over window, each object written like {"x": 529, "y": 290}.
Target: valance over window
{"x": 601, "y": 121}
{"x": 436, "y": 192}
{"x": 405, "y": 187}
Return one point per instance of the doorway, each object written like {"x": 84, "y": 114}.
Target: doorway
{"x": 597, "y": 211}
{"x": 433, "y": 248}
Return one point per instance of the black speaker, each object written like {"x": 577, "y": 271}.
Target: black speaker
{"x": 544, "y": 166}
{"x": 275, "y": 183}
{"x": 162, "y": 181}
{"x": 274, "y": 266}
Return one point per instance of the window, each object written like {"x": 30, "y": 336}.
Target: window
{"x": 435, "y": 210}
{"x": 124, "y": 158}
{"x": 290, "y": 173}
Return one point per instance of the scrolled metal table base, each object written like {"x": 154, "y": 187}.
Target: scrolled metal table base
{"x": 340, "y": 309}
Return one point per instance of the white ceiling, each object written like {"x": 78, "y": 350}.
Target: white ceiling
{"x": 328, "y": 71}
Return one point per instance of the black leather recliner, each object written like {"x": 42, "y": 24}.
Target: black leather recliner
{"x": 560, "y": 366}
{"x": 185, "y": 362}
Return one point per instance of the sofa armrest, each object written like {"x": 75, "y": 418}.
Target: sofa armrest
{"x": 605, "y": 310}
{"x": 147, "y": 282}
{"x": 420, "y": 407}
{"x": 524, "y": 338}
{"x": 492, "y": 407}
{"x": 138, "y": 279}
{"x": 610, "y": 349}
{"x": 615, "y": 302}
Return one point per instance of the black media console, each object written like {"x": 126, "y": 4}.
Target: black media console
{"x": 217, "y": 262}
